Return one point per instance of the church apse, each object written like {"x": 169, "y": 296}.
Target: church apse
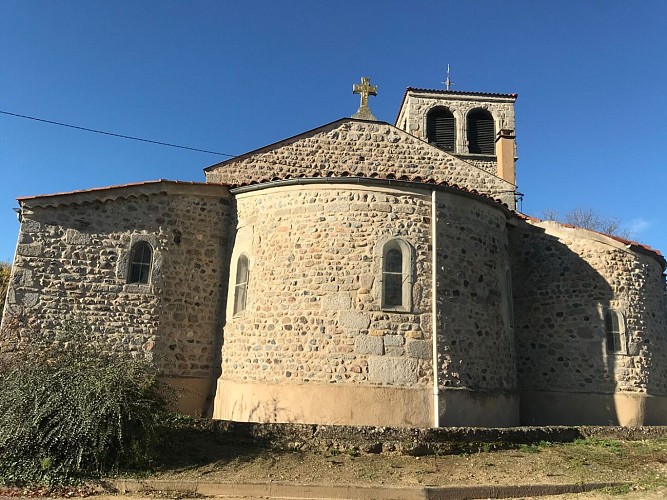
{"x": 77, "y": 260}
{"x": 316, "y": 336}
{"x": 573, "y": 368}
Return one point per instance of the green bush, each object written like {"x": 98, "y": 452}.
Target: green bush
{"x": 5, "y": 271}
{"x": 70, "y": 410}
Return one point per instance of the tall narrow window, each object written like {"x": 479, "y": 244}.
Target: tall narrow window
{"x": 397, "y": 275}
{"x": 141, "y": 259}
{"x": 615, "y": 331}
{"x": 481, "y": 132}
{"x": 441, "y": 129}
{"x": 393, "y": 278}
{"x": 241, "y": 287}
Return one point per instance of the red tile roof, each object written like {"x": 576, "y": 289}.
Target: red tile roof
{"x": 117, "y": 191}
{"x": 373, "y": 176}
{"x": 461, "y": 92}
{"x": 107, "y": 188}
{"x": 630, "y": 243}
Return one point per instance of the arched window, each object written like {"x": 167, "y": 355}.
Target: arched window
{"x": 397, "y": 276}
{"x": 481, "y": 132}
{"x": 615, "y": 332}
{"x": 441, "y": 129}
{"x": 141, "y": 260}
{"x": 241, "y": 287}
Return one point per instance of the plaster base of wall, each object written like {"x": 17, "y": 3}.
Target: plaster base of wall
{"x": 323, "y": 404}
{"x": 190, "y": 394}
{"x": 560, "y": 408}
{"x": 462, "y": 408}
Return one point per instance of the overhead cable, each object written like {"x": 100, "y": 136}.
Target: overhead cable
{"x": 115, "y": 135}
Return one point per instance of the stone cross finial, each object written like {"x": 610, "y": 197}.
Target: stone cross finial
{"x": 364, "y": 89}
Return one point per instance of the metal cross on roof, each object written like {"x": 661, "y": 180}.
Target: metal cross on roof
{"x": 448, "y": 83}
{"x": 364, "y": 89}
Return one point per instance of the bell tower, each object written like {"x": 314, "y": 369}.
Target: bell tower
{"x": 474, "y": 126}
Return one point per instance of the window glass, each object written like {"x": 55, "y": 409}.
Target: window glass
{"x": 393, "y": 278}
{"x": 615, "y": 332}
{"x": 140, "y": 263}
{"x": 396, "y": 289}
{"x": 241, "y": 287}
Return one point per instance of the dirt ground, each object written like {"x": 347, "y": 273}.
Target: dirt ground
{"x": 640, "y": 464}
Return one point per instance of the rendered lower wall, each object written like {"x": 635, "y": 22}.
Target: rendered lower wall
{"x": 621, "y": 408}
{"x": 316, "y": 403}
{"x": 466, "y": 408}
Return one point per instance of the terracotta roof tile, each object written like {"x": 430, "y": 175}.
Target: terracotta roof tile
{"x": 108, "y": 188}
{"x": 373, "y": 176}
{"x": 461, "y": 92}
{"x": 630, "y": 243}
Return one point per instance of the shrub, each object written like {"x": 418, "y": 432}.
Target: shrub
{"x": 5, "y": 271}
{"x": 69, "y": 410}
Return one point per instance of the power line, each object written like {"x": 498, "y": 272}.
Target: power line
{"x": 115, "y": 135}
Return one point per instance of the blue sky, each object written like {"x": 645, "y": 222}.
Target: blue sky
{"x": 234, "y": 76}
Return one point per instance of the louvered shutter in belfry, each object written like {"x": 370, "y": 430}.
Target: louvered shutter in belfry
{"x": 481, "y": 133}
{"x": 441, "y": 129}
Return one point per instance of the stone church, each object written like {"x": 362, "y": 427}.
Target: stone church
{"x": 359, "y": 273}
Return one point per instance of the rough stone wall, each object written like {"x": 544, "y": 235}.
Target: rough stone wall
{"x": 491, "y": 166}
{"x": 313, "y": 307}
{"x": 416, "y": 106}
{"x": 72, "y": 260}
{"x": 355, "y": 147}
{"x": 565, "y": 279}
{"x": 475, "y": 339}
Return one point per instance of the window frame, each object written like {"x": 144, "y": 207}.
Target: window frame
{"x": 145, "y": 266}
{"x": 471, "y": 114}
{"x": 241, "y": 286}
{"x": 443, "y": 111}
{"x": 407, "y": 275}
{"x": 616, "y": 340}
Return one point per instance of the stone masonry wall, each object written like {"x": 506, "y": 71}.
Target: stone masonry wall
{"x": 565, "y": 279}
{"x": 359, "y": 147}
{"x": 313, "y": 309}
{"x": 412, "y": 116}
{"x": 475, "y": 339}
{"x": 72, "y": 260}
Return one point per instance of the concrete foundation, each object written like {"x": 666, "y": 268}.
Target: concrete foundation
{"x": 324, "y": 404}
{"x": 559, "y": 408}
{"x": 189, "y": 395}
{"x": 463, "y": 408}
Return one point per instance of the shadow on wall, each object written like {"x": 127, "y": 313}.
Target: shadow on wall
{"x": 654, "y": 351}
{"x": 565, "y": 374}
